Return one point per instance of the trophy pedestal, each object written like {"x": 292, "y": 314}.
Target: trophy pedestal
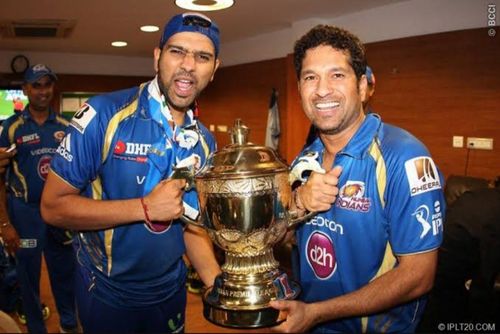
{"x": 242, "y": 301}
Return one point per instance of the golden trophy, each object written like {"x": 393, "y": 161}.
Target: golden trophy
{"x": 244, "y": 195}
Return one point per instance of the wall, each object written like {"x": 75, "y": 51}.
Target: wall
{"x": 435, "y": 86}
{"x": 244, "y": 91}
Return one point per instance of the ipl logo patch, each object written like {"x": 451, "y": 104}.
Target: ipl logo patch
{"x": 320, "y": 255}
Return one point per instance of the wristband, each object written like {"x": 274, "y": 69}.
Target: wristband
{"x": 145, "y": 209}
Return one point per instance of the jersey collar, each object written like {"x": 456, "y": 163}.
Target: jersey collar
{"x": 25, "y": 114}
{"x": 359, "y": 144}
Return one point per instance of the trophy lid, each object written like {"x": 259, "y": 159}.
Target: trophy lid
{"x": 241, "y": 158}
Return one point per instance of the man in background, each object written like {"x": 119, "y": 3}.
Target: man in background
{"x": 466, "y": 289}
{"x": 36, "y": 132}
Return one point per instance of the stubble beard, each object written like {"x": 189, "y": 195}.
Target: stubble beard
{"x": 169, "y": 101}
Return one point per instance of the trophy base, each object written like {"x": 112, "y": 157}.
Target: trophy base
{"x": 255, "y": 317}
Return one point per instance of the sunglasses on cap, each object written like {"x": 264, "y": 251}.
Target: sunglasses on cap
{"x": 196, "y": 21}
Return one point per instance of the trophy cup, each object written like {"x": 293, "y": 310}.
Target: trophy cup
{"x": 244, "y": 195}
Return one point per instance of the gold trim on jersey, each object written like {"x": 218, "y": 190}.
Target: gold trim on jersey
{"x": 15, "y": 166}
{"x": 115, "y": 121}
{"x": 389, "y": 260}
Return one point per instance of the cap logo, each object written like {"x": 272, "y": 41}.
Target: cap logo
{"x": 40, "y": 67}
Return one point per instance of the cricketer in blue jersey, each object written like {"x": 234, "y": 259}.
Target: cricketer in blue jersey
{"x": 37, "y": 132}
{"x": 111, "y": 181}
{"x": 368, "y": 256}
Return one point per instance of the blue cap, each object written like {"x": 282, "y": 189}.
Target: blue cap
{"x": 38, "y": 71}
{"x": 191, "y": 22}
{"x": 369, "y": 75}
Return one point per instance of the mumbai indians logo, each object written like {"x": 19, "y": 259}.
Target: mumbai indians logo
{"x": 351, "y": 197}
{"x": 320, "y": 255}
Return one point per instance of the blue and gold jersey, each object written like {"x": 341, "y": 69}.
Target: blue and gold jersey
{"x": 119, "y": 146}
{"x": 390, "y": 203}
{"x": 35, "y": 144}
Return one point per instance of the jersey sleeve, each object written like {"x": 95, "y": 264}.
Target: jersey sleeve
{"x": 415, "y": 204}
{"x": 79, "y": 156}
{"x": 4, "y": 136}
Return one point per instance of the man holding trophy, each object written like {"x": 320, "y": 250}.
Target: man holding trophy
{"x": 367, "y": 259}
{"x": 111, "y": 180}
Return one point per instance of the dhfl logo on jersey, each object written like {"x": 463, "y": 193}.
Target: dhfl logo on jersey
{"x": 422, "y": 175}
{"x": 131, "y": 151}
{"x": 32, "y": 138}
{"x": 320, "y": 255}
{"x": 44, "y": 166}
{"x": 351, "y": 197}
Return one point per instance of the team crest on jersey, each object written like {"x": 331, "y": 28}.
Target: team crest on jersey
{"x": 131, "y": 151}
{"x": 44, "y": 166}
{"x": 59, "y": 135}
{"x": 352, "y": 197}
{"x": 32, "y": 138}
{"x": 82, "y": 118}
{"x": 422, "y": 175}
{"x": 320, "y": 255}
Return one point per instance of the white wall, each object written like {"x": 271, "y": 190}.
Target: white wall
{"x": 403, "y": 19}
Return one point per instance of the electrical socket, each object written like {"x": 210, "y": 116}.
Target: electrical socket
{"x": 480, "y": 143}
{"x": 458, "y": 141}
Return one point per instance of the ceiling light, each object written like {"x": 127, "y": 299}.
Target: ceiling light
{"x": 204, "y": 5}
{"x": 119, "y": 44}
{"x": 149, "y": 28}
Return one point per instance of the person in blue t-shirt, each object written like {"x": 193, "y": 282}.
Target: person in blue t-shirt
{"x": 368, "y": 255}
{"x": 36, "y": 132}
{"x": 112, "y": 181}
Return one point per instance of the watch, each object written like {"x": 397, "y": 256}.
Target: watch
{"x": 19, "y": 64}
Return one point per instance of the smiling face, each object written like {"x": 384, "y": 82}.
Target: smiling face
{"x": 185, "y": 66}
{"x": 330, "y": 92}
{"x": 40, "y": 94}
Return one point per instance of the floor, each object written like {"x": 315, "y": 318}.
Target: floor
{"x": 195, "y": 322}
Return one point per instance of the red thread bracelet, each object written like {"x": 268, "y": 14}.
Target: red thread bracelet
{"x": 145, "y": 209}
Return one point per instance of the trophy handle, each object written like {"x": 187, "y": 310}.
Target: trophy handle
{"x": 187, "y": 173}
{"x": 295, "y": 220}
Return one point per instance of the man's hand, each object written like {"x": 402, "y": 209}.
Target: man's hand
{"x": 164, "y": 203}
{"x": 5, "y": 158}
{"x": 10, "y": 239}
{"x": 320, "y": 191}
{"x": 299, "y": 319}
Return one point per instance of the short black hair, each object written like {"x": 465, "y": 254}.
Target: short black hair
{"x": 337, "y": 38}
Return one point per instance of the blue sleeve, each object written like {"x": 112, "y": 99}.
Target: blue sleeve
{"x": 4, "y": 134}
{"x": 79, "y": 156}
{"x": 415, "y": 203}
